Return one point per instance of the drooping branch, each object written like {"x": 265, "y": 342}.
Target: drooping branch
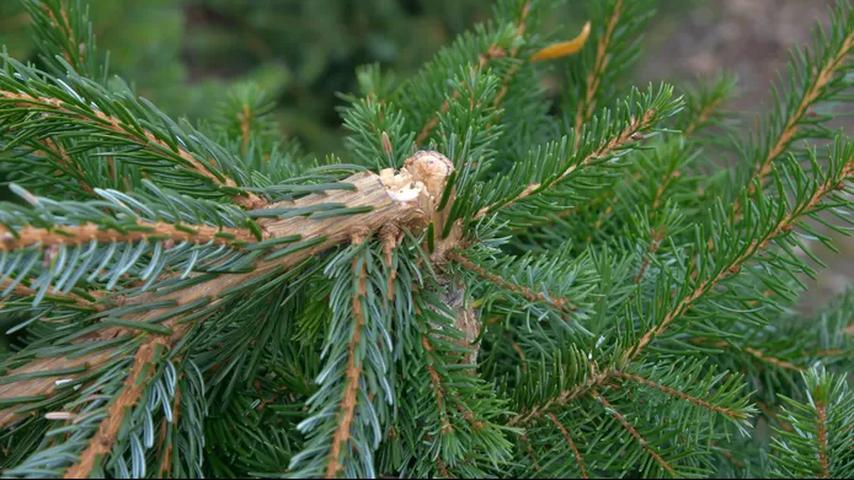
{"x": 49, "y": 106}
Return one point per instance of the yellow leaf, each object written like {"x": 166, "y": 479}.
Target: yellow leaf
{"x": 563, "y": 49}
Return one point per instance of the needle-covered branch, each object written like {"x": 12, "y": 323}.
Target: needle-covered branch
{"x": 557, "y": 293}
{"x": 404, "y": 199}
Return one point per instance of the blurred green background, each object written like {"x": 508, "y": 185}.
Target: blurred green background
{"x": 180, "y": 53}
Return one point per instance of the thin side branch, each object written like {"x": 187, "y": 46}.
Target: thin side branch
{"x": 657, "y": 236}
{"x": 438, "y": 390}
{"x": 568, "y": 439}
{"x": 42, "y": 376}
{"x": 764, "y": 357}
{"x": 494, "y": 51}
{"x": 145, "y": 139}
{"x": 586, "y": 107}
{"x": 634, "y": 433}
{"x": 22, "y": 290}
{"x": 672, "y": 392}
{"x": 53, "y": 148}
{"x": 627, "y": 136}
{"x": 558, "y": 303}
{"x": 703, "y": 116}
{"x": 790, "y": 130}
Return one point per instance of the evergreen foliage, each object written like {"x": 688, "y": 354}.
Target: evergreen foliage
{"x": 486, "y": 283}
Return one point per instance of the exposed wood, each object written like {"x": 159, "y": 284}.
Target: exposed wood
{"x": 404, "y": 199}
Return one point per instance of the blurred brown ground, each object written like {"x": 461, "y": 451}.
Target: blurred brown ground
{"x": 750, "y": 38}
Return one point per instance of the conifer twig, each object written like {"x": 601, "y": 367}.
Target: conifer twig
{"x": 702, "y": 117}
{"x": 140, "y": 374}
{"x": 822, "y": 78}
{"x": 631, "y": 133}
{"x": 143, "y": 138}
{"x": 558, "y": 303}
{"x": 438, "y": 390}
{"x": 672, "y": 392}
{"x": 764, "y": 357}
{"x": 782, "y": 226}
{"x": 494, "y": 51}
{"x": 587, "y": 105}
{"x": 821, "y": 437}
{"x": 633, "y": 432}
{"x": 568, "y": 439}
{"x": 52, "y": 147}
{"x": 22, "y": 290}
{"x": 347, "y": 409}
{"x": 42, "y": 376}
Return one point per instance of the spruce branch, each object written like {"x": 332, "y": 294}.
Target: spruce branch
{"x": 139, "y": 376}
{"x": 585, "y": 108}
{"x": 669, "y": 159}
{"x": 819, "y": 444}
{"x": 217, "y": 305}
{"x": 495, "y": 50}
{"x": 570, "y": 443}
{"x": 39, "y": 379}
{"x": 612, "y": 48}
{"x": 736, "y": 415}
{"x": 619, "y": 417}
{"x": 62, "y": 29}
{"x": 457, "y": 411}
{"x": 818, "y": 76}
{"x": 811, "y": 196}
{"x": 783, "y": 225}
{"x": 558, "y": 303}
{"x": 66, "y": 109}
{"x": 60, "y": 155}
{"x": 703, "y": 104}
{"x": 27, "y": 235}
{"x": 562, "y": 164}
{"x": 353, "y": 372}
{"x": 19, "y": 289}
{"x": 841, "y": 170}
